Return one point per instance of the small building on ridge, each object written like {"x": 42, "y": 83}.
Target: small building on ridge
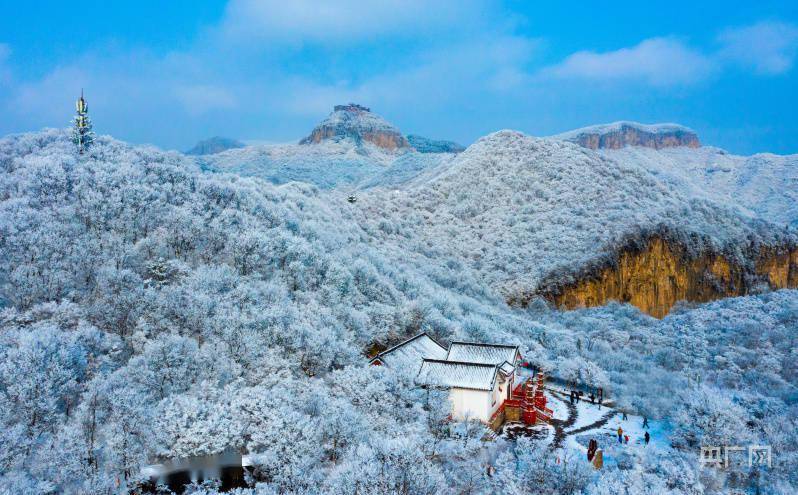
{"x": 480, "y": 377}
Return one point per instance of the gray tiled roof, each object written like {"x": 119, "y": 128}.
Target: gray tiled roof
{"x": 444, "y": 373}
{"x": 472, "y": 352}
{"x": 407, "y": 356}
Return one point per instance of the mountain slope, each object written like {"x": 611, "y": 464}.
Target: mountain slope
{"x": 426, "y": 145}
{"x": 532, "y": 215}
{"x": 766, "y": 185}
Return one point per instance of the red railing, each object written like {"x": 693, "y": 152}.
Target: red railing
{"x": 527, "y": 397}
{"x": 517, "y": 391}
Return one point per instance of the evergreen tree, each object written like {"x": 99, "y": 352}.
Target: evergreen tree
{"x": 82, "y": 134}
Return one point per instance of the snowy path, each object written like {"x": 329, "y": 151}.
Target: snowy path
{"x": 560, "y": 425}
{"x": 572, "y": 425}
{"x": 595, "y": 425}
{"x": 585, "y": 421}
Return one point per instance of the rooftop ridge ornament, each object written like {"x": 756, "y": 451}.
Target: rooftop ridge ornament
{"x": 82, "y": 134}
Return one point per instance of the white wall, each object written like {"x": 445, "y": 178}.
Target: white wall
{"x": 478, "y": 404}
{"x": 472, "y": 404}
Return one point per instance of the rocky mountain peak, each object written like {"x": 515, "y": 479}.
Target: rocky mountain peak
{"x": 621, "y": 134}
{"x": 358, "y": 123}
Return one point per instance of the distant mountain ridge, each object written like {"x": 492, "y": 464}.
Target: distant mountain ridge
{"x": 625, "y": 133}
{"x": 351, "y": 147}
{"x": 214, "y": 145}
{"x": 426, "y": 145}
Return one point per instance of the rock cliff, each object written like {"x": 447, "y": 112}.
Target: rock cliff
{"x": 660, "y": 274}
{"x": 359, "y": 124}
{"x": 621, "y": 134}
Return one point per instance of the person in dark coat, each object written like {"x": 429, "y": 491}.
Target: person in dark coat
{"x": 624, "y": 417}
{"x": 592, "y": 398}
{"x": 647, "y": 437}
{"x": 591, "y": 449}
{"x": 645, "y": 422}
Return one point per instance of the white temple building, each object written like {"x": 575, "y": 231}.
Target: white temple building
{"x": 479, "y": 377}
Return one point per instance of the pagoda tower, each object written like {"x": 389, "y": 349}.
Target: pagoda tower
{"x": 82, "y": 134}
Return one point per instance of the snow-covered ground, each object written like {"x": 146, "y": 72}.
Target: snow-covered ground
{"x": 601, "y": 422}
{"x": 607, "y": 434}
{"x": 151, "y": 309}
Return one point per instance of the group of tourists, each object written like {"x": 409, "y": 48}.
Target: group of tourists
{"x": 624, "y": 438}
{"x": 596, "y": 456}
{"x": 576, "y": 396}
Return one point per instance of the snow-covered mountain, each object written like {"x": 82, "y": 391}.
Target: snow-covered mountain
{"x": 532, "y": 214}
{"x": 426, "y": 145}
{"x": 155, "y": 310}
{"x": 624, "y": 133}
{"x": 497, "y": 204}
{"x": 352, "y": 147}
{"x": 766, "y": 185}
{"x": 358, "y": 123}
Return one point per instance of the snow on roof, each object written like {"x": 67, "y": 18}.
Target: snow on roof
{"x": 441, "y": 373}
{"x": 616, "y": 126}
{"x": 473, "y": 352}
{"x": 408, "y": 355}
{"x": 506, "y": 368}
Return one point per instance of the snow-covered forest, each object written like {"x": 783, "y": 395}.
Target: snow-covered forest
{"x": 153, "y": 308}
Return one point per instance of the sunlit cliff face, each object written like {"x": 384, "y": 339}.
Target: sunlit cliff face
{"x": 359, "y": 123}
{"x": 622, "y": 134}
{"x": 655, "y": 278}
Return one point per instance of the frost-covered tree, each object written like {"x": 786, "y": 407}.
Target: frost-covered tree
{"x": 153, "y": 310}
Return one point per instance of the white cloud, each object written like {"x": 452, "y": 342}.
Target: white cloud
{"x": 769, "y": 48}
{"x": 436, "y": 78}
{"x": 198, "y": 99}
{"x": 315, "y": 21}
{"x": 656, "y": 61}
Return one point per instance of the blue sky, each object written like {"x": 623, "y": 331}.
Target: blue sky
{"x": 170, "y": 73}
